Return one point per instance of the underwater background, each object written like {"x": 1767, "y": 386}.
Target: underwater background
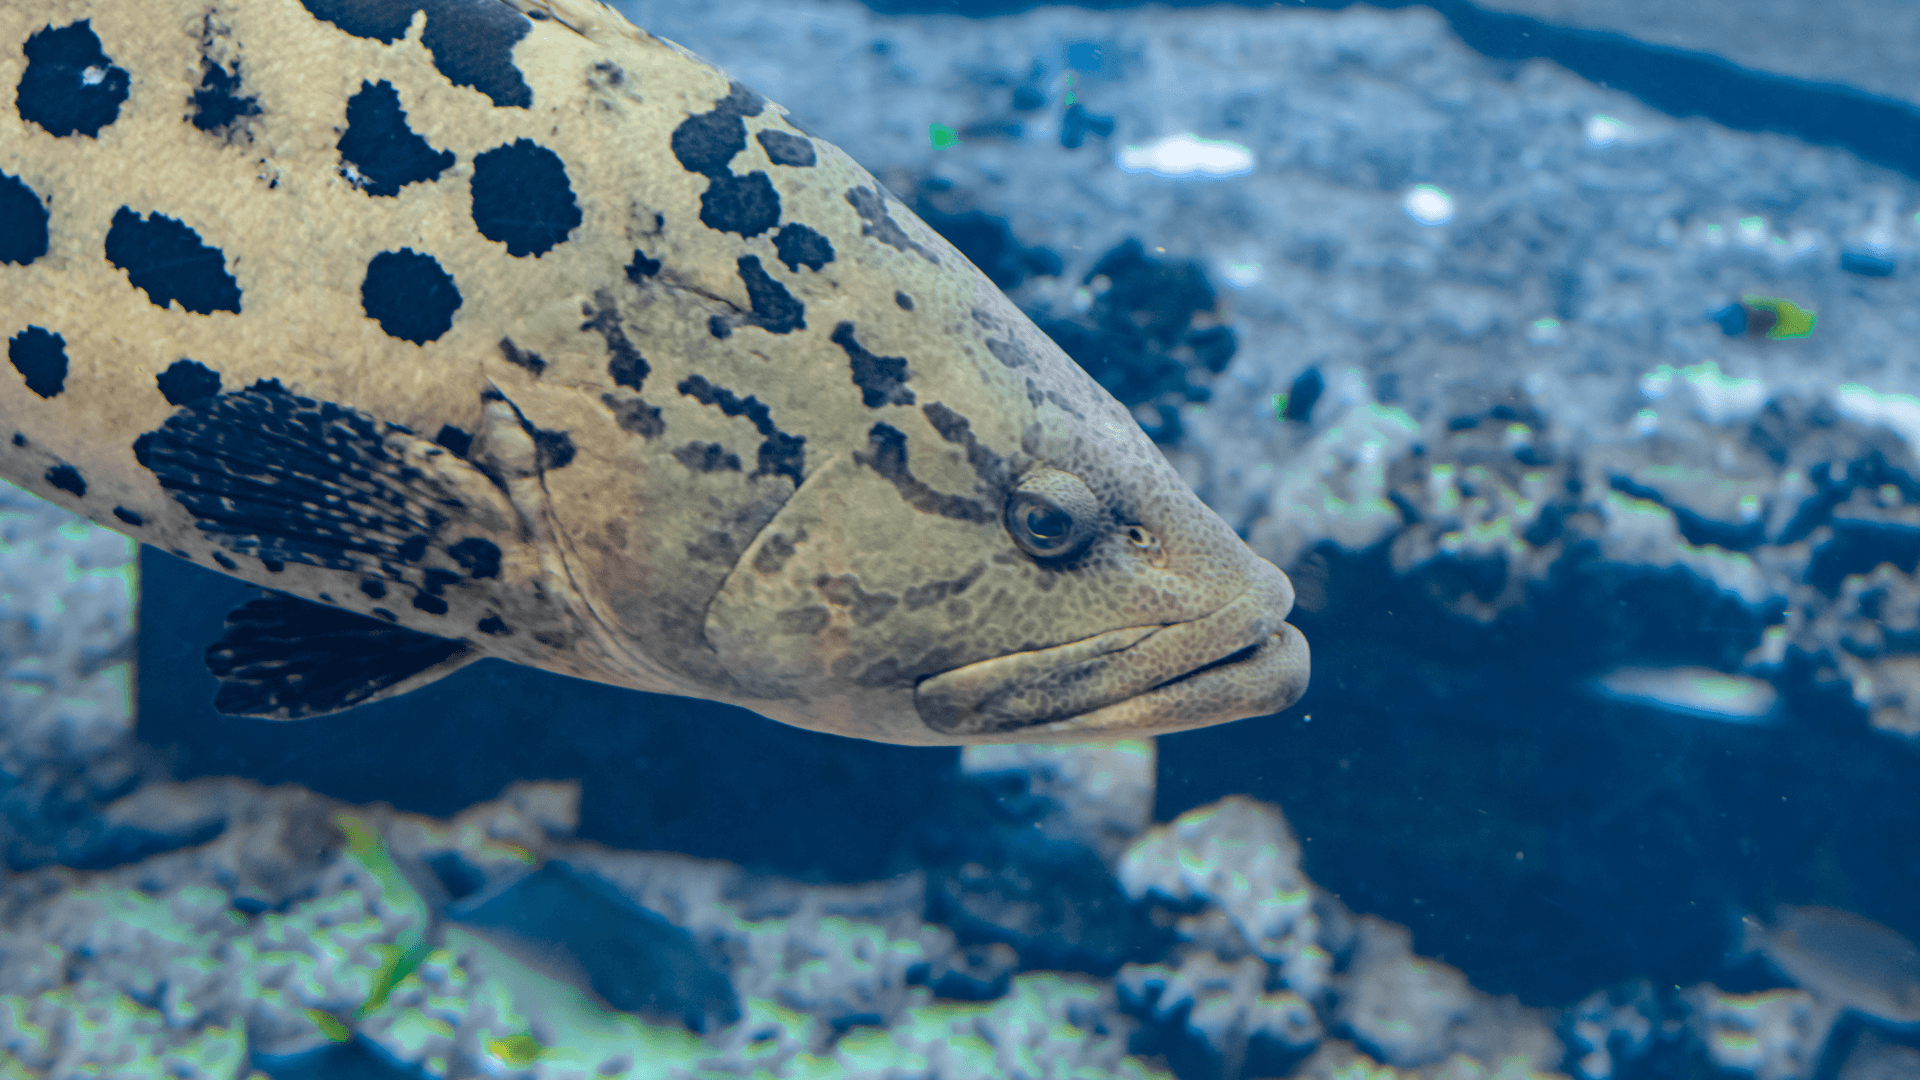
{"x": 1564, "y": 353}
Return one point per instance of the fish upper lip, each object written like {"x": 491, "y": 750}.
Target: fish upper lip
{"x": 1075, "y": 680}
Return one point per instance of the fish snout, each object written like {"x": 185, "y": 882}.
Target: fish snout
{"x": 1241, "y": 660}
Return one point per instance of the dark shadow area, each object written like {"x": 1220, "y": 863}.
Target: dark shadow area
{"x": 657, "y": 772}
{"x": 1882, "y": 130}
{"x": 1459, "y": 778}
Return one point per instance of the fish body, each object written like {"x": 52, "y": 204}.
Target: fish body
{"x": 502, "y": 328}
{"x": 1701, "y": 693}
{"x": 1847, "y": 959}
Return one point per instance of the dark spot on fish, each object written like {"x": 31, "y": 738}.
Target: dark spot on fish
{"x": 169, "y": 262}
{"x": 774, "y": 308}
{"x": 23, "y": 222}
{"x": 384, "y": 153}
{"x": 641, "y": 267}
{"x": 373, "y": 587}
{"x": 625, "y": 366}
{"x": 494, "y": 625}
{"x": 715, "y": 547}
{"x": 225, "y": 563}
{"x": 437, "y": 580}
{"x": 635, "y": 416}
{"x": 520, "y": 358}
{"x": 472, "y": 43}
{"x": 785, "y": 149}
{"x": 781, "y": 454}
{"x": 552, "y": 449}
{"x": 186, "y": 381}
{"x": 521, "y": 198}
{"x": 800, "y": 246}
{"x": 903, "y": 300}
{"x": 218, "y": 103}
{"x": 19, "y": 439}
{"x": 67, "y": 479}
{"x": 845, "y": 591}
{"x": 933, "y": 592}
{"x": 707, "y": 142}
{"x": 429, "y": 603}
{"x": 455, "y": 440}
{"x": 1009, "y": 353}
{"x": 954, "y": 428}
{"x": 413, "y": 548}
{"x": 478, "y": 556}
{"x": 887, "y": 455}
{"x": 40, "y": 356}
{"x": 747, "y": 205}
{"x": 773, "y": 554}
{"x": 720, "y": 327}
{"x": 806, "y": 620}
{"x": 880, "y": 225}
{"x": 707, "y": 457}
{"x": 273, "y": 566}
{"x": 409, "y": 295}
{"x": 881, "y": 379}
{"x": 70, "y": 84}
{"x": 129, "y": 516}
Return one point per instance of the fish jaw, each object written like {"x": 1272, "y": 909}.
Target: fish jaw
{"x": 1240, "y": 661}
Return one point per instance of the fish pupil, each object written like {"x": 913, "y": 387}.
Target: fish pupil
{"x": 1045, "y": 523}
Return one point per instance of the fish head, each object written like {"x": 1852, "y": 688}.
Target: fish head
{"x": 1005, "y": 558}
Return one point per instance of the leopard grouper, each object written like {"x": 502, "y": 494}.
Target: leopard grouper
{"x": 501, "y": 328}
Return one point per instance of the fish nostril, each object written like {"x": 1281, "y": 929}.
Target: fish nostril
{"x": 1146, "y": 544}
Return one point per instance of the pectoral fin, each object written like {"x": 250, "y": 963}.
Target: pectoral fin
{"x": 285, "y": 658}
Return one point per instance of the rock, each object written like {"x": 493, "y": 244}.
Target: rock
{"x": 1096, "y": 794}
{"x": 1771, "y": 1035}
{"x": 1239, "y": 857}
{"x": 67, "y": 591}
{"x": 1225, "y": 1010}
{"x": 1610, "y": 1025}
{"x": 1408, "y": 1010}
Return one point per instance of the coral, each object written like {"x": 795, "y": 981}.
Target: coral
{"x": 1771, "y": 1035}
{"x": 1609, "y": 1025}
{"x": 1238, "y": 856}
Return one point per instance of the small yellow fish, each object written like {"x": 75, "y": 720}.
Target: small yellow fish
{"x": 502, "y": 328}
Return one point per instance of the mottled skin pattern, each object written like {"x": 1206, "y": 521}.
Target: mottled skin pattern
{"x": 714, "y": 414}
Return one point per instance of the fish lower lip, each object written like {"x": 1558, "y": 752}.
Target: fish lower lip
{"x": 1129, "y": 681}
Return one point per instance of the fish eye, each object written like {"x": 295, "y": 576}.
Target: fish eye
{"x": 1052, "y": 514}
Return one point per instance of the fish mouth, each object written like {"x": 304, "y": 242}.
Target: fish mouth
{"x": 1242, "y": 660}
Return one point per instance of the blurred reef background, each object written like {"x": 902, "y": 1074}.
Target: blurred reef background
{"x": 1566, "y": 354}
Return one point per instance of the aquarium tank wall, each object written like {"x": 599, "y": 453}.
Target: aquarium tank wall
{"x": 1565, "y": 355}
